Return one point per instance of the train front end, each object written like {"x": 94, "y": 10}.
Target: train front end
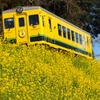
{"x": 21, "y": 25}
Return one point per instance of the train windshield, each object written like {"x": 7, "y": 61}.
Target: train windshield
{"x": 9, "y": 23}
{"x": 33, "y": 20}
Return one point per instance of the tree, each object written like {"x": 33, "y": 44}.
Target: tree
{"x": 82, "y": 13}
{"x": 95, "y": 18}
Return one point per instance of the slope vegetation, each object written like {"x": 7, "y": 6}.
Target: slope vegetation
{"x": 36, "y": 73}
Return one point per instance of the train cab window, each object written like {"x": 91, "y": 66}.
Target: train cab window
{"x": 21, "y": 22}
{"x": 59, "y": 30}
{"x": 72, "y": 33}
{"x": 76, "y": 37}
{"x": 64, "y": 31}
{"x": 80, "y": 37}
{"x": 33, "y": 20}
{"x": 50, "y": 27}
{"x": 9, "y": 23}
{"x": 68, "y": 31}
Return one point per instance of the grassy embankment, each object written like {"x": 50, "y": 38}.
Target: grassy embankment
{"x": 34, "y": 73}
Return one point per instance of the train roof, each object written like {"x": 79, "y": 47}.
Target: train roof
{"x": 38, "y": 7}
{"x": 24, "y": 8}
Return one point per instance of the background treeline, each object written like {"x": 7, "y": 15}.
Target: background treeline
{"x": 83, "y": 13}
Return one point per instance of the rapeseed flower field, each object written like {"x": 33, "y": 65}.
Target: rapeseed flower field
{"x": 36, "y": 73}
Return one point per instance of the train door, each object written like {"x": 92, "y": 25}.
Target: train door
{"x": 21, "y": 29}
{"x": 50, "y": 33}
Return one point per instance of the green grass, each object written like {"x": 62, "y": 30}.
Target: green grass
{"x": 35, "y": 73}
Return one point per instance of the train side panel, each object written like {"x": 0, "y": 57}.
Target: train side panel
{"x": 59, "y": 36}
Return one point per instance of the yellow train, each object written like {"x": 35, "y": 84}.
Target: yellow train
{"x": 36, "y": 25}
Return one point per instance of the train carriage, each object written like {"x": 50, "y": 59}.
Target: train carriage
{"x": 36, "y": 25}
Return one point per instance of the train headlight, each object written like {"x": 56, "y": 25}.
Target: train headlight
{"x": 19, "y": 9}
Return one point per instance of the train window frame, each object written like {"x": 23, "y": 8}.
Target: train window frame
{"x": 21, "y": 22}
{"x": 77, "y": 37}
{"x": 35, "y": 21}
{"x": 9, "y": 25}
{"x": 73, "y": 35}
{"x": 64, "y": 31}
{"x": 68, "y": 32}
{"x": 80, "y": 38}
{"x": 59, "y": 30}
{"x": 50, "y": 24}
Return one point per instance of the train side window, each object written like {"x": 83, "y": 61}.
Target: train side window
{"x": 68, "y": 31}
{"x": 80, "y": 37}
{"x": 50, "y": 27}
{"x": 9, "y": 23}
{"x": 33, "y": 20}
{"x": 72, "y": 33}
{"x": 76, "y": 37}
{"x": 21, "y": 22}
{"x": 59, "y": 30}
{"x": 64, "y": 31}
{"x": 43, "y": 21}
{"x": 88, "y": 41}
